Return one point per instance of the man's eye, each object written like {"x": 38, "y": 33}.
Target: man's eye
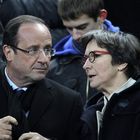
{"x": 47, "y": 50}
{"x": 33, "y": 49}
{"x": 81, "y": 28}
{"x": 69, "y": 29}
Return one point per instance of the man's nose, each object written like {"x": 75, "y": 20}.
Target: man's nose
{"x": 43, "y": 57}
{"x": 76, "y": 34}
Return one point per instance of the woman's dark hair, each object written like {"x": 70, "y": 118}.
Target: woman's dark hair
{"x": 123, "y": 47}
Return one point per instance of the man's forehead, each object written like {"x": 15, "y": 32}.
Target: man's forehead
{"x": 84, "y": 19}
{"x": 33, "y": 26}
{"x": 34, "y": 34}
{"x": 32, "y": 29}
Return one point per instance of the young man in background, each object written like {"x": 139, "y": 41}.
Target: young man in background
{"x": 79, "y": 17}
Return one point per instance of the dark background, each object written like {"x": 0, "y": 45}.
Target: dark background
{"x": 125, "y": 14}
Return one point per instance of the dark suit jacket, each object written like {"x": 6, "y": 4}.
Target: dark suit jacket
{"x": 54, "y": 110}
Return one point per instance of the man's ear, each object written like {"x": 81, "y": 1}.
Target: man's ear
{"x": 103, "y": 14}
{"x": 8, "y": 52}
{"x": 122, "y": 67}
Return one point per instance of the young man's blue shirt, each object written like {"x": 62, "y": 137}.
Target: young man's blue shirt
{"x": 68, "y": 46}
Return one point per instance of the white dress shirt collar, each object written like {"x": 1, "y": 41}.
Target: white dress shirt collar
{"x": 12, "y": 84}
{"x": 126, "y": 85}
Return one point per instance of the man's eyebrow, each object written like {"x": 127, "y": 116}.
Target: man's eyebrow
{"x": 48, "y": 46}
{"x": 37, "y": 46}
{"x": 33, "y": 46}
{"x": 78, "y": 26}
{"x": 84, "y": 24}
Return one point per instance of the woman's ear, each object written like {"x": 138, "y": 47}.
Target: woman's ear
{"x": 122, "y": 67}
{"x": 8, "y": 52}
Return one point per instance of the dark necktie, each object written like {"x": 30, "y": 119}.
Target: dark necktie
{"x": 20, "y": 93}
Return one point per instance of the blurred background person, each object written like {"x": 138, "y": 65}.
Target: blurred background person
{"x": 79, "y": 17}
{"x": 44, "y": 9}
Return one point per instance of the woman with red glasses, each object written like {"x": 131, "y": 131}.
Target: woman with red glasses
{"x": 112, "y": 64}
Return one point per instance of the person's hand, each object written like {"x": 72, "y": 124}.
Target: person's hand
{"x": 32, "y": 136}
{"x": 6, "y": 127}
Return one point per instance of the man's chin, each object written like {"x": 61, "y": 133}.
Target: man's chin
{"x": 39, "y": 77}
{"x": 93, "y": 85}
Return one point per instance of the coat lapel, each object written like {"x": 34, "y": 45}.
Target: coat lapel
{"x": 43, "y": 97}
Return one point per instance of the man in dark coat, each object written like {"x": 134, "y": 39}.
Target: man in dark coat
{"x": 32, "y": 106}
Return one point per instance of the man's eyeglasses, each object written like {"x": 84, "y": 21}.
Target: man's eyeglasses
{"x": 93, "y": 55}
{"x": 34, "y": 51}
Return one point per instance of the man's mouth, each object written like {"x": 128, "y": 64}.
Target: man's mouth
{"x": 91, "y": 76}
{"x": 40, "y": 69}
